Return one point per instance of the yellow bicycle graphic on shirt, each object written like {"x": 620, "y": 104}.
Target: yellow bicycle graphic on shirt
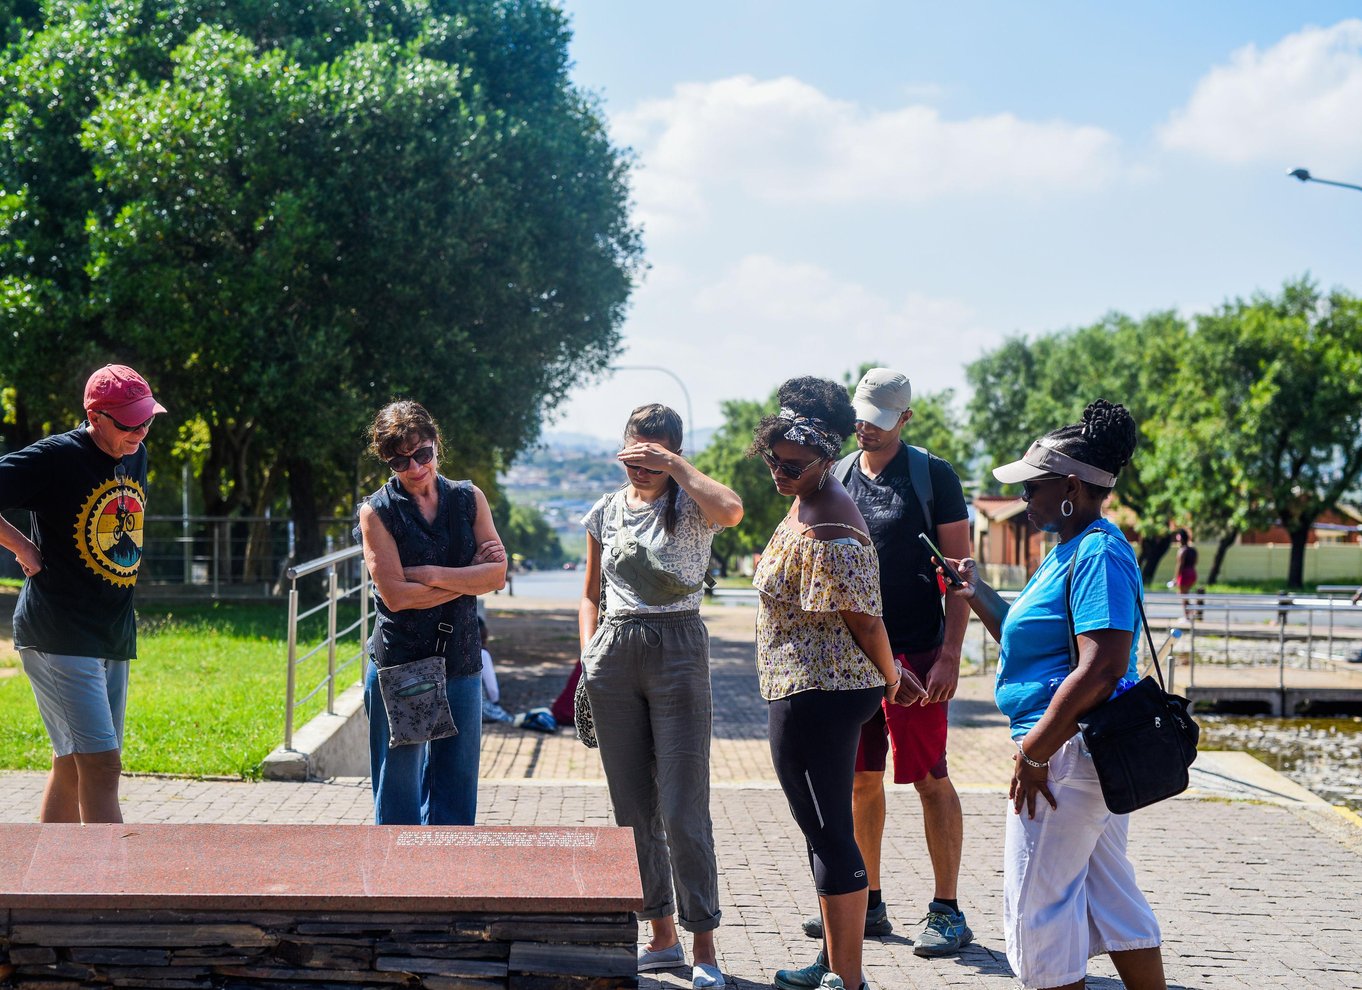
{"x": 109, "y": 530}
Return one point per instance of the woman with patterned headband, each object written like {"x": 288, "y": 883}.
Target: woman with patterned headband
{"x": 823, "y": 657}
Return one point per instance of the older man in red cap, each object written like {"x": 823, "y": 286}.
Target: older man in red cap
{"x": 74, "y": 626}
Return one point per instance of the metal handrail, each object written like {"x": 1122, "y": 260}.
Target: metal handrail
{"x": 335, "y": 594}
{"x": 321, "y": 563}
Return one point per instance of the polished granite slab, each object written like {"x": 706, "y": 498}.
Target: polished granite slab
{"x": 513, "y": 869}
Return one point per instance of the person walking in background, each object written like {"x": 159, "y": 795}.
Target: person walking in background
{"x": 1069, "y": 888}
{"x": 1184, "y": 569}
{"x": 431, "y": 548}
{"x": 74, "y": 625}
{"x": 902, "y": 491}
{"x": 645, "y": 658}
{"x": 824, "y": 662}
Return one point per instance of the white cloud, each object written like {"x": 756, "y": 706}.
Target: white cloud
{"x": 765, "y": 320}
{"x": 1297, "y": 102}
{"x": 784, "y": 141}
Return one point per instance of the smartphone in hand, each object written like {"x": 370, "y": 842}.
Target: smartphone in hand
{"x": 952, "y": 575}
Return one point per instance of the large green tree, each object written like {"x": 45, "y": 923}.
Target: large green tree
{"x": 286, "y": 215}
{"x": 1270, "y": 405}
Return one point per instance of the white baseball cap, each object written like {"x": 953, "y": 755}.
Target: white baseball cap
{"x": 882, "y": 397}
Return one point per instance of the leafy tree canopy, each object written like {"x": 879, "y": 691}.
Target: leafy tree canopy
{"x": 287, "y": 214}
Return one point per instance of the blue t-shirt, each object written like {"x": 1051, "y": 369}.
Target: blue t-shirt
{"x": 1035, "y": 643}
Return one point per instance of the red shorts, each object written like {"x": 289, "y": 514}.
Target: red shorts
{"x": 917, "y": 733}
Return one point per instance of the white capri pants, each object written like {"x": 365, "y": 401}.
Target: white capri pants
{"x": 1069, "y": 890}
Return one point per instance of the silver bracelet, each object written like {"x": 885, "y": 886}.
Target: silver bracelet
{"x": 1028, "y": 761}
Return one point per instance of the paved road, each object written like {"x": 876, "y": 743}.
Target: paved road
{"x": 1256, "y": 884}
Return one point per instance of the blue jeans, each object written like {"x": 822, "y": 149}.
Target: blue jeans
{"x": 433, "y": 783}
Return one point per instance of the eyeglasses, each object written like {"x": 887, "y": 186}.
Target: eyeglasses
{"x": 1029, "y": 487}
{"x": 124, "y": 426}
{"x": 422, "y": 455}
{"x": 641, "y": 468}
{"x": 791, "y": 471}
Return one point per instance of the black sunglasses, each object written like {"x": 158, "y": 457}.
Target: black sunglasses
{"x": 1029, "y": 487}
{"x": 422, "y": 455}
{"x": 124, "y": 426}
{"x": 640, "y": 467}
{"x": 791, "y": 471}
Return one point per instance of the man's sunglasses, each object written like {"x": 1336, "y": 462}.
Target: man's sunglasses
{"x": 422, "y": 455}
{"x": 791, "y": 471}
{"x": 1029, "y": 487}
{"x": 124, "y": 426}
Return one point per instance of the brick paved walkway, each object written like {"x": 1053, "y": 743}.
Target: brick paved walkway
{"x": 1251, "y": 894}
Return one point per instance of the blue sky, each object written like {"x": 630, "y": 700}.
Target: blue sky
{"x": 913, "y": 183}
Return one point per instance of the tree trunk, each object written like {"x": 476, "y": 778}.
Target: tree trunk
{"x": 1295, "y": 575}
{"x": 1222, "y": 547}
{"x": 1152, "y": 549}
{"x": 257, "y": 560}
{"x": 307, "y": 530}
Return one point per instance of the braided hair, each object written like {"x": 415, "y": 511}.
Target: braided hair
{"x": 1106, "y": 439}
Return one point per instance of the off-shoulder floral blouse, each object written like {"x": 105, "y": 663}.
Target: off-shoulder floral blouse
{"x": 802, "y": 642}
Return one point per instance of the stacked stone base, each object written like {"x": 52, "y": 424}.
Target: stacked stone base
{"x": 318, "y": 950}
{"x": 200, "y": 907}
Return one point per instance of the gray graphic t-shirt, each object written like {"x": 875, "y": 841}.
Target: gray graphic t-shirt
{"x": 685, "y": 552}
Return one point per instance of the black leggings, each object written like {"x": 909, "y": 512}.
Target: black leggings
{"x": 814, "y": 735}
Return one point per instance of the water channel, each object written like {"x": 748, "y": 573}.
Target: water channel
{"x": 1321, "y": 754}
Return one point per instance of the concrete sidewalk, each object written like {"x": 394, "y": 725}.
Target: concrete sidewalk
{"x": 1255, "y": 881}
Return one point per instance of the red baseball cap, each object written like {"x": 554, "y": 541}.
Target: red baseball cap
{"x": 122, "y": 393}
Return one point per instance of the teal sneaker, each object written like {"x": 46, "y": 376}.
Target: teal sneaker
{"x": 808, "y": 978}
{"x": 946, "y": 932}
{"x": 876, "y": 923}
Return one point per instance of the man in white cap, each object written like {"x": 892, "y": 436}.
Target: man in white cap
{"x": 74, "y": 625}
{"x": 903, "y": 491}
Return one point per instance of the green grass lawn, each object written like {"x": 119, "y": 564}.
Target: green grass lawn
{"x": 205, "y": 696}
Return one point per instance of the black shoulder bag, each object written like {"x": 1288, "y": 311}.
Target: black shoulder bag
{"x": 581, "y": 704}
{"x": 1143, "y": 740}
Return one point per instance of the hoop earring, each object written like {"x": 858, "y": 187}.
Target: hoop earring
{"x": 1066, "y": 508}
{"x": 823, "y": 480}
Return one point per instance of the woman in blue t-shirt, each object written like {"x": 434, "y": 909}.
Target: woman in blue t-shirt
{"x": 1069, "y": 888}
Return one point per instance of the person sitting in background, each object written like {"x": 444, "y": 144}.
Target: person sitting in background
{"x": 491, "y": 691}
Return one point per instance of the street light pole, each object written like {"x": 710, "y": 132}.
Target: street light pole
{"x": 1304, "y": 175}
{"x": 690, "y": 417}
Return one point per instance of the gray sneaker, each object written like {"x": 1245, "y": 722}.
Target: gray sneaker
{"x": 946, "y": 932}
{"x": 808, "y": 978}
{"x": 876, "y": 923}
{"x": 673, "y": 957}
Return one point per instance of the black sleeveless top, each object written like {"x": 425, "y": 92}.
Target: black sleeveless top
{"x": 411, "y": 634}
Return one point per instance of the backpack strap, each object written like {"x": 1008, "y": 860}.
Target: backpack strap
{"x": 842, "y": 472}
{"x": 920, "y": 474}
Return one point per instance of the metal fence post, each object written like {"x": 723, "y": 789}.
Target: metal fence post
{"x": 331, "y": 585}
{"x": 363, "y": 621}
{"x": 1281, "y": 652}
{"x": 292, "y": 660}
